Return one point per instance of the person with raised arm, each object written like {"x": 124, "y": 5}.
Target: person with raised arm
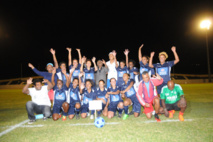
{"x": 164, "y": 67}
{"x": 101, "y": 72}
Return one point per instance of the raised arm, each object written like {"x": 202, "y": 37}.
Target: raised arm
{"x": 70, "y": 76}
{"x": 53, "y": 76}
{"x": 69, "y": 56}
{"x": 79, "y": 55}
{"x": 95, "y": 66}
{"x": 126, "y": 52}
{"x": 54, "y": 58}
{"x": 140, "y": 53}
{"x": 49, "y": 84}
{"x": 67, "y": 77}
{"x": 25, "y": 90}
{"x": 151, "y": 58}
{"x": 175, "y": 54}
{"x": 115, "y": 59}
{"x": 82, "y": 63}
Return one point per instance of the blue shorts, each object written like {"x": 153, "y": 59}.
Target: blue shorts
{"x": 85, "y": 109}
{"x": 160, "y": 87}
{"x": 136, "y": 106}
{"x": 57, "y": 109}
{"x": 72, "y": 108}
{"x": 103, "y": 106}
{"x": 113, "y": 106}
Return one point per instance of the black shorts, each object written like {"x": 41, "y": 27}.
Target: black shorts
{"x": 173, "y": 106}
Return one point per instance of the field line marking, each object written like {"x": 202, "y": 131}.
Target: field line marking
{"x": 31, "y": 126}
{"x": 87, "y": 124}
{"x": 13, "y": 127}
{"x": 175, "y": 120}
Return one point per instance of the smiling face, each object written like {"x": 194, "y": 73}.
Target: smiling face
{"x": 122, "y": 64}
{"x": 63, "y": 66}
{"x": 162, "y": 58}
{"x": 38, "y": 85}
{"x": 88, "y": 64}
{"x": 101, "y": 84}
{"x": 75, "y": 63}
{"x": 100, "y": 63}
{"x": 49, "y": 68}
{"x": 131, "y": 65}
{"x": 113, "y": 82}
{"x": 88, "y": 85}
{"x": 125, "y": 77}
{"x": 145, "y": 60}
{"x": 59, "y": 84}
{"x": 146, "y": 77}
{"x": 75, "y": 82}
{"x": 111, "y": 56}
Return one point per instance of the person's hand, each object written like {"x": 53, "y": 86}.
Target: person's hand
{"x": 126, "y": 52}
{"x": 82, "y": 86}
{"x": 147, "y": 105}
{"x": 158, "y": 76}
{"x": 52, "y": 51}
{"x": 166, "y": 112}
{"x": 173, "y": 49}
{"x": 54, "y": 70}
{"x": 80, "y": 74}
{"x": 64, "y": 72}
{"x": 30, "y": 81}
{"x": 72, "y": 69}
{"x": 69, "y": 49}
{"x": 45, "y": 81}
{"x": 78, "y": 49}
{"x": 103, "y": 61}
{"x": 114, "y": 53}
{"x": 141, "y": 46}
{"x": 123, "y": 95}
{"x": 30, "y": 65}
{"x": 93, "y": 59}
{"x": 152, "y": 54}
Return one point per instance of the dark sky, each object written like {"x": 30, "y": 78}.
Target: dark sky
{"x": 28, "y": 29}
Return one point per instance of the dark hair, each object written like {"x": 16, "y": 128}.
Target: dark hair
{"x": 75, "y": 79}
{"x": 112, "y": 78}
{"x": 36, "y": 80}
{"x": 89, "y": 80}
{"x": 132, "y": 62}
{"x": 88, "y": 60}
{"x": 123, "y": 61}
{"x": 74, "y": 59}
{"x": 60, "y": 80}
{"x": 128, "y": 74}
{"x": 62, "y": 63}
{"x": 147, "y": 57}
{"x": 102, "y": 81}
{"x": 144, "y": 73}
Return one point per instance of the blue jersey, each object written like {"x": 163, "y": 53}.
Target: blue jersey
{"x": 131, "y": 92}
{"x": 131, "y": 72}
{"x": 75, "y": 72}
{"x": 164, "y": 70}
{"x": 88, "y": 96}
{"x": 61, "y": 76}
{"x": 60, "y": 96}
{"x": 145, "y": 68}
{"x": 101, "y": 94}
{"x": 112, "y": 97}
{"x": 74, "y": 94}
{"x": 121, "y": 72}
{"x": 89, "y": 74}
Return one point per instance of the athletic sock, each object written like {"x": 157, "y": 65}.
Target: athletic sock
{"x": 120, "y": 110}
{"x": 126, "y": 109}
{"x": 99, "y": 112}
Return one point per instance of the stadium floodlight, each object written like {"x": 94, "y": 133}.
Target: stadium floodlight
{"x": 205, "y": 24}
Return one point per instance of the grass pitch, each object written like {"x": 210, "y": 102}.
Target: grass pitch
{"x": 198, "y": 124}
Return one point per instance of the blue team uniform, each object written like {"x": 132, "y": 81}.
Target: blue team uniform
{"x": 164, "y": 71}
{"x": 74, "y": 98}
{"x": 114, "y": 99}
{"x": 61, "y": 76}
{"x": 89, "y": 74}
{"x": 131, "y": 94}
{"x": 120, "y": 72}
{"x": 101, "y": 94}
{"x": 60, "y": 96}
{"x": 145, "y": 68}
{"x": 131, "y": 72}
{"x": 86, "y": 98}
{"x": 76, "y": 71}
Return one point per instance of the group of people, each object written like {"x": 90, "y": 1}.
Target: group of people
{"x": 118, "y": 85}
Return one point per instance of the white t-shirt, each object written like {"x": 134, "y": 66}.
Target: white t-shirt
{"x": 40, "y": 97}
{"x": 112, "y": 72}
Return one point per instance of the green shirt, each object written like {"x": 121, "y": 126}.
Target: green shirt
{"x": 171, "y": 96}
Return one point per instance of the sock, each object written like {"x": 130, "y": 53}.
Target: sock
{"x": 126, "y": 109}
{"x": 120, "y": 110}
{"x": 171, "y": 111}
{"x": 77, "y": 111}
{"x": 99, "y": 112}
{"x": 181, "y": 113}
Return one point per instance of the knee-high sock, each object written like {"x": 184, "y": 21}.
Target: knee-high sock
{"x": 120, "y": 110}
{"x": 126, "y": 109}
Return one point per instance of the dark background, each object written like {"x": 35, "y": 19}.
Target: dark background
{"x": 28, "y": 29}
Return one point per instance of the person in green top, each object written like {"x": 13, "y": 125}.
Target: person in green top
{"x": 172, "y": 97}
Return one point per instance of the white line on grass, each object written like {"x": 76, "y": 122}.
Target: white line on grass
{"x": 31, "y": 126}
{"x": 13, "y": 127}
{"x": 175, "y": 120}
{"x": 86, "y": 124}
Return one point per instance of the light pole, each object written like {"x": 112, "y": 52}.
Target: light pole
{"x": 206, "y": 25}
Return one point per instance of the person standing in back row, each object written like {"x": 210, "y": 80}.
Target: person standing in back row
{"x": 101, "y": 72}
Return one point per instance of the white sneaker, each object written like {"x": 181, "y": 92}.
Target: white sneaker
{"x": 88, "y": 114}
{"x": 92, "y": 117}
{"x": 153, "y": 113}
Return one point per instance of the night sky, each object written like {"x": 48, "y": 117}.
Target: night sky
{"x": 28, "y": 29}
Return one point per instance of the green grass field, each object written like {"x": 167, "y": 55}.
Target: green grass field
{"x": 198, "y": 124}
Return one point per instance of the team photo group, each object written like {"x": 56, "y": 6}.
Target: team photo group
{"x": 66, "y": 90}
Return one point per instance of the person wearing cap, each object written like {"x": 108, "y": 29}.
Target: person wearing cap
{"x": 101, "y": 73}
{"x": 164, "y": 68}
{"x": 46, "y": 75}
{"x": 111, "y": 64}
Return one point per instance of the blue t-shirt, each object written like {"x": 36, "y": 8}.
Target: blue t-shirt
{"x": 60, "y": 96}
{"x": 61, "y": 76}
{"x": 147, "y": 87}
{"x": 131, "y": 72}
{"x": 101, "y": 94}
{"x": 88, "y": 96}
{"x": 74, "y": 94}
{"x": 89, "y": 74}
{"x": 112, "y": 97}
{"x": 131, "y": 91}
{"x": 121, "y": 72}
{"x": 76, "y": 71}
{"x": 145, "y": 68}
{"x": 164, "y": 70}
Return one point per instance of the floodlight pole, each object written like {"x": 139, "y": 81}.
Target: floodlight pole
{"x": 208, "y": 60}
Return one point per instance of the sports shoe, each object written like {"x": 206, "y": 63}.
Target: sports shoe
{"x": 171, "y": 113}
{"x": 88, "y": 114}
{"x": 91, "y": 116}
{"x": 31, "y": 121}
{"x": 157, "y": 117}
{"x": 131, "y": 113}
{"x": 119, "y": 115}
{"x": 59, "y": 115}
{"x": 125, "y": 116}
{"x": 181, "y": 117}
{"x": 77, "y": 116}
{"x": 64, "y": 118}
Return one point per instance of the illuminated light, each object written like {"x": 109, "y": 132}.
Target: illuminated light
{"x": 205, "y": 24}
